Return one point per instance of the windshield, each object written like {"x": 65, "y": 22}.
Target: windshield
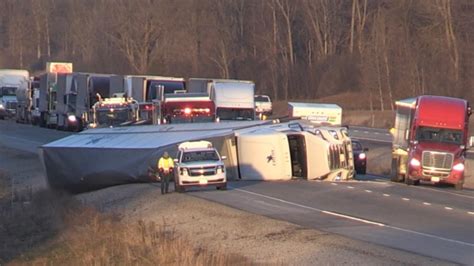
{"x": 113, "y": 118}
{"x": 439, "y": 135}
{"x": 262, "y": 99}
{"x": 195, "y": 156}
{"x": 169, "y": 87}
{"x": 356, "y": 146}
{"x": 8, "y": 91}
{"x": 235, "y": 114}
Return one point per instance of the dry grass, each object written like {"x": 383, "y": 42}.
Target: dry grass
{"x": 57, "y": 230}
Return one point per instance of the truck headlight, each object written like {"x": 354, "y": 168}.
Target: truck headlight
{"x": 183, "y": 170}
{"x": 415, "y": 162}
{"x": 72, "y": 118}
{"x": 220, "y": 169}
{"x": 1, "y": 106}
{"x": 459, "y": 167}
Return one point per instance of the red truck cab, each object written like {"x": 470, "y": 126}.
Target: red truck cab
{"x": 430, "y": 140}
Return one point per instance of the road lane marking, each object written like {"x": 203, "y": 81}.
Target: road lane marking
{"x": 368, "y": 191}
{"x": 405, "y": 199}
{"x": 311, "y": 208}
{"x": 426, "y": 203}
{"x": 351, "y": 187}
{"x": 376, "y": 133}
{"x": 448, "y": 208}
{"x": 386, "y": 195}
{"x": 352, "y": 218}
{"x": 471, "y": 213}
{"x": 358, "y": 219}
{"x": 366, "y": 132}
{"x": 334, "y": 184}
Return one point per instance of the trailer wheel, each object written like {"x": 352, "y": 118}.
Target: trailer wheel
{"x": 458, "y": 186}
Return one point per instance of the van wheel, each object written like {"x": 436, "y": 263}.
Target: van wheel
{"x": 458, "y": 186}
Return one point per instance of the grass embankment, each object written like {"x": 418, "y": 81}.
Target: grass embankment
{"x": 56, "y": 229}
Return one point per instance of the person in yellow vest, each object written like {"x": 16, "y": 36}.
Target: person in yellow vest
{"x": 165, "y": 166}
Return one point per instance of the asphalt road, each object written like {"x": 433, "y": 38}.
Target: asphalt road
{"x": 431, "y": 221}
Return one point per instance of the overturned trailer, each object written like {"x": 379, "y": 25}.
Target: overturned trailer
{"x": 256, "y": 150}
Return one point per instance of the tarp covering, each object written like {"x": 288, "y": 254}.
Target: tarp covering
{"x": 110, "y": 156}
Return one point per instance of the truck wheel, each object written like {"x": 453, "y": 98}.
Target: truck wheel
{"x": 408, "y": 180}
{"x": 458, "y": 186}
{"x": 222, "y": 187}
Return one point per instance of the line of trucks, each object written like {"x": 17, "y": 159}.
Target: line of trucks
{"x": 75, "y": 100}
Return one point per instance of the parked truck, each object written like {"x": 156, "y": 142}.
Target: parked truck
{"x": 233, "y": 99}
{"x": 430, "y": 140}
{"x": 13, "y": 82}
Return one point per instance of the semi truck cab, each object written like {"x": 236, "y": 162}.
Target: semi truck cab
{"x": 430, "y": 140}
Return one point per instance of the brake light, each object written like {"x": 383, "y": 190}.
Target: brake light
{"x": 207, "y": 110}
{"x": 187, "y": 111}
{"x": 362, "y": 156}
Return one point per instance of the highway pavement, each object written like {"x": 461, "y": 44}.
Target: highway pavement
{"x": 432, "y": 221}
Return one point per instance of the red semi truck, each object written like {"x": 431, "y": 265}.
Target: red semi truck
{"x": 179, "y": 108}
{"x": 430, "y": 140}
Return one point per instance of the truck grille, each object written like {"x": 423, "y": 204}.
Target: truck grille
{"x": 202, "y": 171}
{"x": 438, "y": 160}
{"x": 11, "y": 105}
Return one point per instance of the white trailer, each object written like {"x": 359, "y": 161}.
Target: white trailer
{"x": 317, "y": 113}
{"x": 234, "y": 99}
{"x": 14, "y": 85}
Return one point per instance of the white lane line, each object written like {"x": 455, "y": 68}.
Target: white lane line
{"x": 386, "y": 195}
{"x": 355, "y": 130}
{"x": 405, "y": 199}
{"x": 430, "y": 236}
{"x": 351, "y": 187}
{"x": 448, "y": 208}
{"x": 471, "y": 213}
{"x": 376, "y": 133}
{"x": 368, "y": 191}
{"x": 387, "y": 134}
{"x": 357, "y": 219}
{"x": 366, "y": 132}
{"x": 334, "y": 184}
{"x": 426, "y": 203}
{"x": 311, "y": 208}
{"x": 352, "y": 218}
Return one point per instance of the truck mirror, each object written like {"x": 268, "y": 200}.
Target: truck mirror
{"x": 175, "y": 160}
{"x": 471, "y": 142}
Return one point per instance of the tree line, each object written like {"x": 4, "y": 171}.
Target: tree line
{"x": 376, "y": 50}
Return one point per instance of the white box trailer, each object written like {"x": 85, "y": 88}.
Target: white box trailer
{"x": 317, "y": 113}
{"x": 234, "y": 99}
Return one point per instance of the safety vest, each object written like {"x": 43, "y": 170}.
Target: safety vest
{"x": 166, "y": 164}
